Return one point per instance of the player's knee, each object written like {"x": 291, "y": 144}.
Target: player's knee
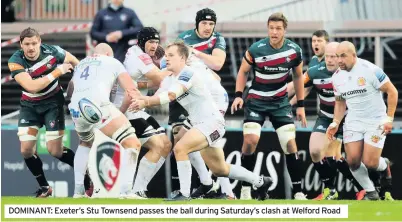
{"x": 180, "y": 150}
{"x": 354, "y": 163}
{"x": 28, "y": 133}
{"x": 27, "y": 152}
{"x": 315, "y": 154}
{"x": 371, "y": 163}
{"x": 285, "y": 134}
{"x": 55, "y": 152}
{"x": 167, "y": 146}
{"x": 222, "y": 171}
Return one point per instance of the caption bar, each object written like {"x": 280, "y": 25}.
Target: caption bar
{"x": 175, "y": 211}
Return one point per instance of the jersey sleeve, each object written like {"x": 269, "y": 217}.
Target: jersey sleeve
{"x": 248, "y": 56}
{"x": 220, "y": 43}
{"x": 15, "y": 65}
{"x": 138, "y": 63}
{"x": 186, "y": 78}
{"x": 308, "y": 81}
{"x": 334, "y": 84}
{"x": 59, "y": 53}
{"x": 119, "y": 68}
{"x": 379, "y": 78}
{"x": 299, "y": 55}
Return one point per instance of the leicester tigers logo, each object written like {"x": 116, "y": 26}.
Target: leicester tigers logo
{"x": 108, "y": 163}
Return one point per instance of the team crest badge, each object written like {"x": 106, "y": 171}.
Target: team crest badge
{"x": 361, "y": 81}
{"x": 123, "y": 17}
{"x": 210, "y": 45}
{"x": 288, "y": 59}
{"x": 375, "y": 138}
{"x": 108, "y": 163}
{"x": 49, "y": 66}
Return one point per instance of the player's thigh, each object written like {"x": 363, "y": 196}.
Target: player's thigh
{"x": 143, "y": 131}
{"x": 177, "y": 114}
{"x": 29, "y": 123}
{"x": 373, "y": 146}
{"x": 353, "y": 136}
{"x": 318, "y": 140}
{"x": 281, "y": 117}
{"x": 193, "y": 140}
{"x": 55, "y": 125}
{"x": 215, "y": 160}
{"x": 354, "y": 152}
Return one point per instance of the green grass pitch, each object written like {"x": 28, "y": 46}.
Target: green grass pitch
{"x": 358, "y": 210}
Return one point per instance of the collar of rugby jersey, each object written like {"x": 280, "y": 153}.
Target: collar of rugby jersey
{"x": 115, "y": 7}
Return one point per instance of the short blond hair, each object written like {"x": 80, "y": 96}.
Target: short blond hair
{"x": 278, "y": 17}
{"x": 182, "y": 48}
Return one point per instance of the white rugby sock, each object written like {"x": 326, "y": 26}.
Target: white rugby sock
{"x": 361, "y": 175}
{"x": 184, "y": 169}
{"x": 80, "y": 164}
{"x": 382, "y": 165}
{"x": 157, "y": 167}
{"x": 199, "y": 165}
{"x": 127, "y": 169}
{"x": 226, "y": 186}
{"x": 240, "y": 173}
{"x": 144, "y": 174}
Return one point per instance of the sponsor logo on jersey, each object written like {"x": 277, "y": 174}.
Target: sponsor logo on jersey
{"x": 328, "y": 91}
{"x": 268, "y": 68}
{"x": 353, "y": 92}
{"x": 186, "y": 36}
{"x": 182, "y": 96}
{"x": 361, "y": 81}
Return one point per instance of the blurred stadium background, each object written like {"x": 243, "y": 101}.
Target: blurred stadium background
{"x": 374, "y": 26}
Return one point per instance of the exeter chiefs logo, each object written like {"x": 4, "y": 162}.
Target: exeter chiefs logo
{"x": 108, "y": 163}
{"x": 361, "y": 81}
{"x": 375, "y": 138}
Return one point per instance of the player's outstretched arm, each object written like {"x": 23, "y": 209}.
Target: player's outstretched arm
{"x": 34, "y": 86}
{"x": 71, "y": 59}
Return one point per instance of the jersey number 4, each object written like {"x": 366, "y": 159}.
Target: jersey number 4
{"x": 85, "y": 73}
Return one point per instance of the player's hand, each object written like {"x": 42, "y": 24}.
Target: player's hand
{"x": 331, "y": 130}
{"x": 112, "y": 37}
{"x": 386, "y": 128}
{"x": 237, "y": 104}
{"x": 301, "y": 116}
{"x": 160, "y": 52}
{"x": 134, "y": 93}
{"x": 65, "y": 68}
{"x": 136, "y": 105}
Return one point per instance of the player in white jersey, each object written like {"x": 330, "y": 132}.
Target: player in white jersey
{"x": 207, "y": 189}
{"x": 142, "y": 70}
{"x": 358, "y": 85}
{"x": 91, "y": 108}
{"x": 208, "y": 124}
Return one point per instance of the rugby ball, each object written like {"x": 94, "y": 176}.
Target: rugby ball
{"x": 90, "y": 111}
